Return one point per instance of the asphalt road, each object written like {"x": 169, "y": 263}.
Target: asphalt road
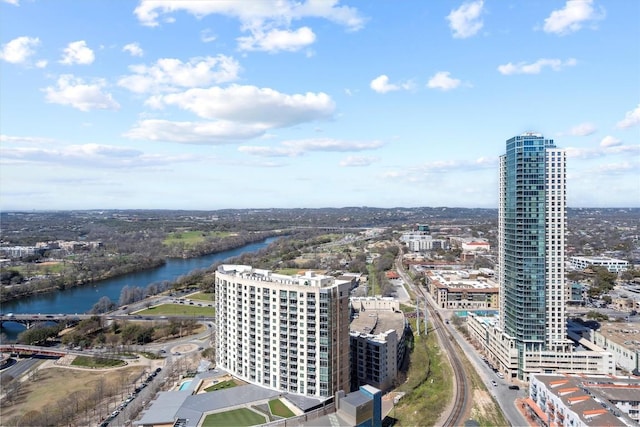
{"x": 503, "y": 395}
{"x": 19, "y": 368}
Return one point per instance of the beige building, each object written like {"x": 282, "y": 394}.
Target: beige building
{"x": 462, "y": 290}
{"x": 622, "y": 340}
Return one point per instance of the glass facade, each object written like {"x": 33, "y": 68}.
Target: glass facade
{"x": 531, "y": 243}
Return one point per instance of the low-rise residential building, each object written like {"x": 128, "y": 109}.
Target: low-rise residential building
{"x": 622, "y": 340}
{"x": 461, "y": 289}
{"x": 378, "y": 341}
{"x": 476, "y": 246}
{"x": 584, "y": 400}
{"x": 612, "y": 264}
{"x": 626, "y": 303}
{"x": 420, "y": 241}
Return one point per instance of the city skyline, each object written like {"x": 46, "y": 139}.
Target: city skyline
{"x": 213, "y": 105}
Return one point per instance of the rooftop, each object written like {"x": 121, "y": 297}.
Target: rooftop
{"x": 376, "y": 322}
{"x": 625, "y": 334}
{"x": 590, "y": 397}
{"x": 309, "y": 278}
{"x": 461, "y": 279}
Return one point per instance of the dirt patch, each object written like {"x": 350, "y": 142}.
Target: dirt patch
{"x": 184, "y": 348}
{"x": 483, "y": 404}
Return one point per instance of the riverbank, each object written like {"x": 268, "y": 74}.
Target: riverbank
{"x": 58, "y": 283}
{"x": 82, "y": 299}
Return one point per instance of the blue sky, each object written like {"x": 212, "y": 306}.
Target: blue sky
{"x": 258, "y": 104}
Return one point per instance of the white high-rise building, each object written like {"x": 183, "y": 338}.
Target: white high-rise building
{"x": 289, "y": 333}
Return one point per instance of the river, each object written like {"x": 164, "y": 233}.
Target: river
{"x": 81, "y": 299}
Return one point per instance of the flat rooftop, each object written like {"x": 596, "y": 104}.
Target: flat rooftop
{"x": 376, "y": 322}
{"x": 459, "y": 279}
{"x": 309, "y": 278}
{"x": 622, "y": 333}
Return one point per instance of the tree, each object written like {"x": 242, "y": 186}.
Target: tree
{"x": 104, "y": 305}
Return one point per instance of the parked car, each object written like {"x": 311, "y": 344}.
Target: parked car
{"x": 495, "y": 384}
{"x": 514, "y": 387}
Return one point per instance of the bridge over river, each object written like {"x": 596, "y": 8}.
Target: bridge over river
{"x": 30, "y": 320}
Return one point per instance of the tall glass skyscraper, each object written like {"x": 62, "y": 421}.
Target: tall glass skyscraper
{"x": 531, "y": 244}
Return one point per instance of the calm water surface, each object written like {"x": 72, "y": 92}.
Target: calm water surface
{"x": 81, "y": 299}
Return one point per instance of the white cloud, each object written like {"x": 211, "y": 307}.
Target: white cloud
{"x": 357, "y": 161}
{"x": 616, "y": 169}
{"x": 427, "y": 172}
{"x": 76, "y": 93}
{"x": 535, "y": 67}
{"x": 168, "y": 74}
{"x": 77, "y": 53}
{"x": 255, "y": 14}
{"x": 632, "y": 118}
{"x": 381, "y": 85}
{"x": 205, "y": 133}
{"x": 13, "y": 2}
{"x": 267, "y": 22}
{"x": 294, "y": 148}
{"x": 41, "y": 63}
{"x": 571, "y": 18}
{"x": 610, "y": 141}
{"x": 134, "y": 49}
{"x": 277, "y": 40}
{"x": 583, "y": 129}
{"x": 250, "y": 104}
{"x": 18, "y": 50}
{"x": 466, "y": 20}
{"x": 90, "y": 156}
{"x": 207, "y": 36}
{"x": 603, "y": 150}
{"x": 25, "y": 139}
{"x": 443, "y": 80}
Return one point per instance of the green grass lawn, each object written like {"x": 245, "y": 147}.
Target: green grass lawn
{"x": 177, "y": 309}
{"x": 220, "y": 386}
{"x": 191, "y": 238}
{"x": 96, "y": 362}
{"x": 280, "y": 409}
{"x": 237, "y": 417}
{"x": 31, "y": 269}
{"x": 201, "y": 296}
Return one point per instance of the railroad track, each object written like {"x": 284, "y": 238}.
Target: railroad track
{"x": 462, "y": 389}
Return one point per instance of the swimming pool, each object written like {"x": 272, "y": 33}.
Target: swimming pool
{"x": 185, "y": 385}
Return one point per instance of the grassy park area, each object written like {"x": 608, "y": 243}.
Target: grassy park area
{"x": 201, "y": 296}
{"x": 177, "y": 309}
{"x": 96, "y": 362}
{"x": 49, "y": 395}
{"x": 237, "y": 417}
{"x": 280, "y": 409}
{"x": 191, "y": 238}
